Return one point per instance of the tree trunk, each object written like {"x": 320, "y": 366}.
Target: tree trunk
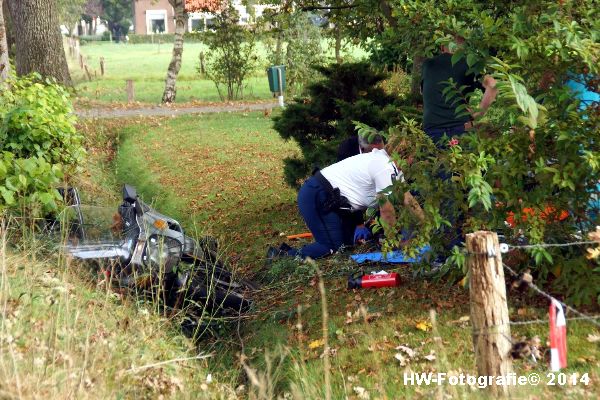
{"x": 9, "y": 30}
{"x": 338, "y": 44}
{"x": 175, "y": 65}
{"x": 279, "y": 47}
{"x": 415, "y": 86}
{"x": 387, "y": 13}
{"x": 4, "y": 64}
{"x": 38, "y": 40}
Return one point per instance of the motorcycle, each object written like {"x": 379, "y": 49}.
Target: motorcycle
{"x": 154, "y": 256}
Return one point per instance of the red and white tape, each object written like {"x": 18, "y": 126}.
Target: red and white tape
{"x": 558, "y": 336}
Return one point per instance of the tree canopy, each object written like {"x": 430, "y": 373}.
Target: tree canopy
{"x": 118, "y": 14}
{"x": 203, "y": 5}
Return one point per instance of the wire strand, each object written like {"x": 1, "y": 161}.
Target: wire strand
{"x": 545, "y": 321}
{"x": 545, "y": 245}
{"x": 590, "y": 319}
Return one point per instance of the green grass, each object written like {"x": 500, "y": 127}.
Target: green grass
{"x": 222, "y": 174}
{"x": 62, "y": 336}
{"x": 146, "y": 65}
{"x": 224, "y": 178}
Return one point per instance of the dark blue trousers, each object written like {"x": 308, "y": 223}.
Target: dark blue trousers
{"x": 330, "y": 229}
{"x": 454, "y": 235}
{"x": 436, "y": 134}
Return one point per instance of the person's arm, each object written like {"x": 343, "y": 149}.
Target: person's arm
{"x": 388, "y": 214}
{"x": 489, "y": 95}
{"x": 413, "y": 205}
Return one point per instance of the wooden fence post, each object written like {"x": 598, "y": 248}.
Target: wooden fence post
{"x": 489, "y": 311}
{"x": 101, "y": 66}
{"x": 87, "y": 72}
{"x": 202, "y": 61}
{"x": 76, "y": 50}
{"x": 130, "y": 91}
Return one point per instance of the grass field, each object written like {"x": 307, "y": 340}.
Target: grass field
{"x": 63, "y": 337}
{"x": 222, "y": 174}
{"x": 146, "y": 65}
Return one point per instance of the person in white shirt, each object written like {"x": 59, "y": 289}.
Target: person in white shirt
{"x": 330, "y": 200}
{"x": 357, "y": 144}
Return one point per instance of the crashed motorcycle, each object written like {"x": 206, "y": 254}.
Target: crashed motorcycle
{"x": 154, "y": 257}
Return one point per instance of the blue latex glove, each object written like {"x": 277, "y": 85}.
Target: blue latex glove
{"x": 361, "y": 233}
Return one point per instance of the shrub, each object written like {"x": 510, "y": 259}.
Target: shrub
{"x": 39, "y": 144}
{"x": 492, "y": 178}
{"x": 189, "y": 37}
{"x": 540, "y": 151}
{"x": 92, "y": 38}
{"x": 302, "y": 52}
{"x": 296, "y": 43}
{"x": 231, "y": 57}
{"x": 323, "y": 119}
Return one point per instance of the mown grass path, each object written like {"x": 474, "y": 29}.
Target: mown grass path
{"x": 167, "y": 111}
{"x": 219, "y": 173}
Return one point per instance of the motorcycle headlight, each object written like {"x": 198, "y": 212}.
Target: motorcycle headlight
{"x": 162, "y": 252}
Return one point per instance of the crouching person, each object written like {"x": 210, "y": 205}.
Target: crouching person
{"x": 333, "y": 200}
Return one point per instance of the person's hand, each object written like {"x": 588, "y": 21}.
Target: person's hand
{"x": 488, "y": 82}
{"x": 361, "y": 233}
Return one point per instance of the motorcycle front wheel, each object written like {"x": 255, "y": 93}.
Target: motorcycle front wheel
{"x": 214, "y": 289}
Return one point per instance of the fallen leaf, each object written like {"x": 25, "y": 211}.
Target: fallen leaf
{"x": 361, "y": 392}
{"x": 316, "y": 343}
{"x": 372, "y": 317}
{"x": 430, "y": 356}
{"x": 349, "y": 319}
{"x": 423, "y": 326}
{"x": 595, "y": 236}
{"x": 593, "y": 253}
{"x": 593, "y": 338}
{"x": 400, "y": 358}
{"x": 462, "y": 320}
{"x": 409, "y": 352}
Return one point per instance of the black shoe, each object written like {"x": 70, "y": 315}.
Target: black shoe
{"x": 285, "y": 248}
{"x": 273, "y": 253}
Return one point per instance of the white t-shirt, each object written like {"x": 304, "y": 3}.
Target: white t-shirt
{"x": 362, "y": 176}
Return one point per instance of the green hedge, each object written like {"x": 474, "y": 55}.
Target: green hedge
{"x": 84, "y": 39}
{"x": 190, "y": 37}
{"x": 39, "y": 145}
{"x": 94, "y": 38}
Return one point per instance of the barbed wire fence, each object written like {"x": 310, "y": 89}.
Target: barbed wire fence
{"x": 491, "y": 331}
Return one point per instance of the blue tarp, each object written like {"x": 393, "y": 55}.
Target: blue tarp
{"x": 394, "y": 257}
